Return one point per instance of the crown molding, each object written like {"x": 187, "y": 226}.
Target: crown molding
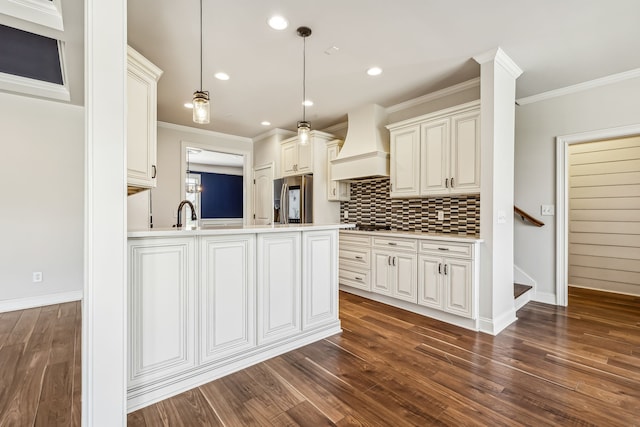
{"x": 591, "y": 84}
{"x": 336, "y": 128}
{"x": 273, "y": 132}
{"x": 434, "y": 95}
{"x": 189, "y": 129}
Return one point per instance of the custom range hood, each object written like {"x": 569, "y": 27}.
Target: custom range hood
{"x": 365, "y": 153}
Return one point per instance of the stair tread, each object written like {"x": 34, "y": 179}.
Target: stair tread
{"x": 519, "y": 289}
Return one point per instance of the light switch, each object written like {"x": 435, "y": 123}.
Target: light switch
{"x": 502, "y": 217}
{"x": 547, "y": 210}
{"x": 440, "y": 215}
{"x": 346, "y": 214}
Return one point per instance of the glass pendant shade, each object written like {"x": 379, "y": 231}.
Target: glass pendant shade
{"x": 304, "y": 128}
{"x": 201, "y": 107}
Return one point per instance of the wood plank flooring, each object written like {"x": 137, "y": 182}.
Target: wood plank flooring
{"x": 40, "y": 375}
{"x": 555, "y": 366}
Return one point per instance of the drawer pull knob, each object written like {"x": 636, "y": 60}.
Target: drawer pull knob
{"x": 443, "y": 249}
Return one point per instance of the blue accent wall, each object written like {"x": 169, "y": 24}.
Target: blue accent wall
{"x": 221, "y": 195}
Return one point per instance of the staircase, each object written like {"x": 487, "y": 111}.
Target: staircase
{"x": 521, "y": 295}
{"x": 522, "y": 292}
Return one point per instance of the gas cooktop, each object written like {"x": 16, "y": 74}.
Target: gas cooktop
{"x": 371, "y": 227}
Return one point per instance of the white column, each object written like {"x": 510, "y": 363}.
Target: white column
{"x": 498, "y": 74}
{"x": 104, "y": 302}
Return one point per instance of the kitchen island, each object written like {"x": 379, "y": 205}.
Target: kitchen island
{"x": 205, "y": 302}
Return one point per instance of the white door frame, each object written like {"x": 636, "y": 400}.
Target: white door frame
{"x": 257, "y": 168}
{"x": 562, "y": 197}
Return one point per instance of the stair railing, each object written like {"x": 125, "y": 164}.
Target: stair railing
{"x": 526, "y": 217}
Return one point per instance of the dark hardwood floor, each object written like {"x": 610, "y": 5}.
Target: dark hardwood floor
{"x": 578, "y": 365}
{"x": 40, "y": 365}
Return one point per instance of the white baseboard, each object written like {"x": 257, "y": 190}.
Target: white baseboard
{"x": 544, "y": 297}
{"x": 497, "y": 325}
{"x": 39, "y": 301}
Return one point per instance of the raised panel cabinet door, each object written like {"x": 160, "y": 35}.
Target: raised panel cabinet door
{"x": 434, "y": 157}
{"x": 278, "y": 283}
{"x": 405, "y": 162}
{"x": 289, "y": 158}
{"x": 263, "y": 195}
{"x": 405, "y": 282}
{"x": 227, "y": 296}
{"x": 305, "y": 158}
{"x": 381, "y": 273}
{"x": 465, "y": 152}
{"x": 430, "y": 292}
{"x": 320, "y": 278}
{"x": 161, "y": 314}
{"x": 332, "y": 186}
{"x": 457, "y": 284}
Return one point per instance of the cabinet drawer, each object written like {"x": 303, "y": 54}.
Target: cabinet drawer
{"x": 355, "y": 239}
{"x": 355, "y": 278}
{"x": 446, "y": 248}
{"x": 395, "y": 243}
{"x": 356, "y": 256}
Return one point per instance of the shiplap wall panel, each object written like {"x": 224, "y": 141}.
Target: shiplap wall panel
{"x": 604, "y": 215}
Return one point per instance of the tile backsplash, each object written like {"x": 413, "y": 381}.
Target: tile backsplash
{"x": 370, "y": 204}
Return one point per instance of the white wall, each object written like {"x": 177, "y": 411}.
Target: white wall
{"x": 537, "y": 125}
{"x": 170, "y": 180}
{"x": 266, "y": 149}
{"x": 42, "y": 191}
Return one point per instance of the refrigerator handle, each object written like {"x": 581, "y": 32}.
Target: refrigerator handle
{"x": 284, "y": 209}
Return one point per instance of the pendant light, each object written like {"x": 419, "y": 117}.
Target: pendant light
{"x": 304, "y": 127}
{"x": 201, "y": 107}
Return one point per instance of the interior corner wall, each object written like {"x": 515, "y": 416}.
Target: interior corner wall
{"x": 42, "y": 188}
{"x": 168, "y": 192}
{"x": 537, "y": 126}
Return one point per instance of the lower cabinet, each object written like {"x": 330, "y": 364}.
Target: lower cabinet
{"x": 278, "y": 286}
{"x": 319, "y": 281}
{"x": 395, "y": 274}
{"x": 446, "y": 284}
{"x": 227, "y": 296}
{"x": 161, "y": 315}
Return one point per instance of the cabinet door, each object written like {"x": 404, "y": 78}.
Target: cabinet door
{"x": 304, "y": 163}
{"x": 336, "y": 190}
{"x": 404, "y": 283}
{"x": 320, "y": 280}
{"x": 226, "y": 296}
{"x": 434, "y": 157}
{"x": 141, "y": 131}
{"x": 161, "y": 312}
{"x": 457, "y": 284}
{"x": 278, "y": 281}
{"x": 429, "y": 282}
{"x": 465, "y": 153}
{"x": 405, "y": 162}
{"x": 289, "y": 158}
{"x": 381, "y": 283}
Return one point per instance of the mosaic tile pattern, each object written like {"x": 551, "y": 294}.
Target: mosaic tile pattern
{"x": 370, "y": 204}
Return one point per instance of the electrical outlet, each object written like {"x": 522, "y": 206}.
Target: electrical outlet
{"x": 547, "y": 210}
{"x": 346, "y": 215}
{"x": 37, "y": 276}
{"x": 440, "y": 215}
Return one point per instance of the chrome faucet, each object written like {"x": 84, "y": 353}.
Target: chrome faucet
{"x": 193, "y": 212}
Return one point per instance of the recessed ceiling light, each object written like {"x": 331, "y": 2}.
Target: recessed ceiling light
{"x": 221, "y": 76}
{"x": 307, "y": 103}
{"x": 278, "y": 22}
{"x": 188, "y": 105}
{"x": 265, "y": 123}
{"x": 374, "y": 71}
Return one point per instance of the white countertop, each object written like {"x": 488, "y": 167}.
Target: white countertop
{"x": 231, "y": 229}
{"x": 419, "y": 235}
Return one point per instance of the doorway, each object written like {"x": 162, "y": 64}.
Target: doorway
{"x": 562, "y": 197}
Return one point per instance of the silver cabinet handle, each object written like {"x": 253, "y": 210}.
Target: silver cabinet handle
{"x": 443, "y": 249}
{"x": 452, "y": 182}
{"x": 446, "y": 183}
{"x": 358, "y": 257}
{"x": 358, "y": 278}
{"x": 394, "y": 261}
{"x": 155, "y": 170}
{"x": 439, "y": 268}
{"x": 445, "y": 269}
{"x": 392, "y": 244}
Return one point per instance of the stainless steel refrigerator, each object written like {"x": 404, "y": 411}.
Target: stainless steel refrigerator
{"x": 293, "y": 200}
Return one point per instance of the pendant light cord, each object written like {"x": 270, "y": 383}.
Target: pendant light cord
{"x": 304, "y": 77}
{"x": 200, "y": 45}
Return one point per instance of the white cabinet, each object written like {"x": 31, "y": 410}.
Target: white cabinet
{"x": 355, "y": 261}
{"x": 278, "y": 280}
{"x": 336, "y": 190}
{"x": 395, "y": 268}
{"x": 296, "y": 159}
{"x": 142, "y": 81}
{"x": 161, "y": 320}
{"x": 445, "y": 278}
{"x": 319, "y": 281}
{"x": 436, "y": 154}
{"x": 227, "y": 296}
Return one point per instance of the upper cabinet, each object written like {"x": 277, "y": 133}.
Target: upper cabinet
{"x": 142, "y": 82}
{"x": 296, "y": 159}
{"x": 336, "y": 190}
{"x": 437, "y": 154}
